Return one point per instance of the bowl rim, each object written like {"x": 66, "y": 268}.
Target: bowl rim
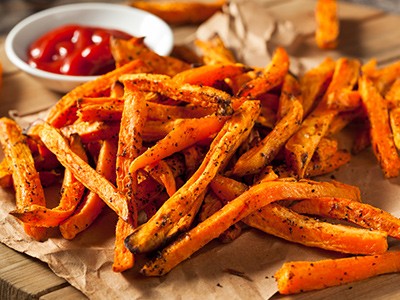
{"x": 24, "y": 66}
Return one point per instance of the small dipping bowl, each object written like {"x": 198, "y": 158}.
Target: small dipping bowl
{"x": 158, "y": 35}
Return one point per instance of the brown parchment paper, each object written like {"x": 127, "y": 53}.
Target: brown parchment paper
{"x": 86, "y": 261}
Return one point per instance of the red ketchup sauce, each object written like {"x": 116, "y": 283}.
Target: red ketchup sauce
{"x": 75, "y": 50}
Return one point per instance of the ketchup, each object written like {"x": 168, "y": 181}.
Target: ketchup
{"x": 75, "y": 50}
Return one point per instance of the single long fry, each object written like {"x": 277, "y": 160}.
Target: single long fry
{"x": 71, "y": 195}
{"x": 113, "y": 111}
{"x": 289, "y": 225}
{"x": 301, "y": 276}
{"x": 57, "y": 144}
{"x": 381, "y": 137}
{"x": 64, "y": 112}
{"x": 314, "y": 83}
{"x": 27, "y": 185}
{"x": 272, "y": 76}
{"x": 185, "y": 133}
{"x": 290, "y": 92}
{"x": 327, "y": 31}
{"x": 262, "y": 154}
{"x": 129, "y": 146}
{"x": 162, "y": 225}
{"x": 209, "y": 75}
{"x": 251, "y": 200}
{"x": 199, "y": 95}
{"x": 362, "y": 214}
{"x": 92, "y": 205}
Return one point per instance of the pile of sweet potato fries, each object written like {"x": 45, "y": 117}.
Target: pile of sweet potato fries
{"x": 184, "y": 155}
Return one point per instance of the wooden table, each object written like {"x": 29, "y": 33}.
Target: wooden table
{"x": 366, "y": 32}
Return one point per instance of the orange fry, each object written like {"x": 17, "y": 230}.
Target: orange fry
{"x": 57, "y": 144}
{"x": 199, "y": 95}
{"x": 314, "y": 83}
{"x": 209, "y": 75}
{"x": 290, "y": 92}
{"x": 71, "y": 194}
{"x": 112, "y": 111}
{"x": 163, "y": 174}
{"x": 125, "y": 51}
{"x": 381, "y": 137}
{"x": 129, "y": 146}
{"x": 362, "y": 214}
{"x": 262, "y": 154}
{"x": 327, "y": 31}
{"x": 301, "y": 276}
{"x": 27, "y": 185}
{"x": 92, "y": 205}
{"x": 185, "y": 133}
{"x": 301, "y": 146}
{"x": 282, "y": 222}
{"x": 273, "y": 75}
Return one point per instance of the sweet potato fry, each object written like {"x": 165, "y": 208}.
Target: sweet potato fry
{"x": 125, "y": 51}
{"x": 163, "y": 174}
{"x": 165, "y": 223}
{"x": 362, "y": 214}
{"x": 27, "y": 185}
{"x": 327, "y": 30}
{"x": 272, "y": 76}
{"x": 251, "y": 200}
{"x": 56, "y": 143}
{"x": 393, "y": 100}
{"x": 180, "y": 13}
{"x": 92, "y": 205}
{"x": 156, "y": 111}
{"x": 384, "y": 77}
{"x": 284, "y": 223}
{"x": 186, "y": 133}
{"x": 301, "y": 276}
{"x": 64, "y": 112}
{"x": 215, "y": 52}
{"x": 381, "y": 137}
{"x": 71, "y": 194}
{"x": 90, "y": 132}
{"x": 327, "y": 158}
{"x": 314, "y": 83}
{"x": 290, "y": 92}
{"x": 5, "y": 174}
{"x": 394, "y": 119}
{"x": 199, "y": 95}
{"x": 301, "y": 146}
{"x": 262, "y": 154}
{"x": 129, "y": 146}
{"x": 209, "y": 75}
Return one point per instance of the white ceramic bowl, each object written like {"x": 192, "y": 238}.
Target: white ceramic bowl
{"x": 158, "y": 35}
